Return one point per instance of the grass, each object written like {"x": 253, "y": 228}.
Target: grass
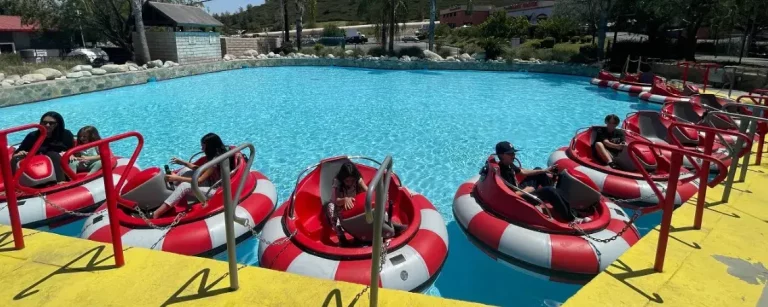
{"x": 11, "y": 64}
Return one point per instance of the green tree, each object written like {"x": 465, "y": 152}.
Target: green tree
{"x": 558, "y": 27}
{"x": 502, "y": 26}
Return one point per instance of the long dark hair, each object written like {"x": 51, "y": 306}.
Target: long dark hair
{"x": 348, "y": 169}
{"x": 58, "y": 132}
{"x": 215, "y": 147}
{"x": 90, "y": 132}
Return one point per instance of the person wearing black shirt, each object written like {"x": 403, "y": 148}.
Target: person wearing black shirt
{"x": 609, "y": 141}
{"x": 57, "y": 141}
{"x": 537, "y": 182}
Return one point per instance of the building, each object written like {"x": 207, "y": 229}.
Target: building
{"x": 458, "y": 16}
{"x": 190, "y": 34}
{"x": 533, "y": 10}
{"x": 14, "y": 35}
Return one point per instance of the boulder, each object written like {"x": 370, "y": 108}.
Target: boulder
{"x": 49, "y": 73}
{"x": 465, "y": 57}
{"x": 478, "y": 56}
{"x": 262, "y": 56}
{"x": 131, "y": 63}
{"x": 251, "y": 52}
{"x": 8, "y": 83}
{"x": 170, "y": 64}
{"x": 35, "y": 77}
{"x": 429, "y": 55}
{"x": 450, "y": 58}
{"x": 81, "y": 68}
{"x": 13, "y": 78}
{"x": 292, "y": 55}
{"x": 228, "y": 57}
{"x": 2, "y": 76}
{"x": 112, "y": 68}
{"x": 349, "y": 52}
{"x": 133, "y": 68}
{"x": 393, "y": 58}
{"x": 98, "y": 72}
{"x": 405, "y": 58}
{"x": 166, "y": 65}
{"x": 86, "y": 73}
{"x": 330, "y": 56}
{"x": 271, "y": 55}
{"x": 62, "y": 78}
{"x": 21, "y": 82}
{"x": 155, "y": 64}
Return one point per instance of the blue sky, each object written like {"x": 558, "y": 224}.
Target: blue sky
{"x": 221, "y": 6}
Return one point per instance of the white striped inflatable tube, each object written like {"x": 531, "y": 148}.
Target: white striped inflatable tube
{"x": 622, "y": 187}
{"x": 576, "y": 254}
{"x": 203, "y": 237}
{"x": 35, "y": 212}
{"x": 629, "y": 88}
{"x": 602, "y": 83}
{"x": 660, "y": 99}
{"x": 410, "y": 267}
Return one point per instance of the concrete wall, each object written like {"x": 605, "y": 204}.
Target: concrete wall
{"x": 236, "y": 46}
{"x": 198, "y": 47}
{"x": 162, "y": 45}
{"x": 22, "y": 40}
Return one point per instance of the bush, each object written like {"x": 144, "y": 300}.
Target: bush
{"x": 307, "y": 50}
{"x": 533, "y": 43}
{"x": 377, "y": 52}
{"x": 332, "y": 30}
{"x": 575, "y": 39}
{"x": 331, "y": 41}
{"x": 444, "y": 52}
{"x": 318, "y": 48}
{"x": 470, "y": 49}
{"x": 355, "y": 53}
{"x": 442, "y": 30}
{"x": 493, "y": 47}
{"x": 544, "y": 54}
{"x": 564, "y": 52}
{"x": 548, "y": 42}
{"x": 12, "y": 64}
{"x": 412, "y": 51}
{"x": 284, "y": 49}
{"x": 586, "y": 39}
{"x": 524, "y": 52}
{"x": 587, "y": 54}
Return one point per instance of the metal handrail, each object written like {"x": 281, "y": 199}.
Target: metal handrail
{"x": 313, "y": 166}
{"x": 376, "y": 216}
{"x": 731, "y": 153}
{"x": 32, "y": 151}
{"x": 105, "y": 141}
{"x": 229, "y": 210}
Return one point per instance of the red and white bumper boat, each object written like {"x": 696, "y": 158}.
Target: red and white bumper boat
{"x": 661, "y": 92}
{"x": 629, "y": 83}
{"x": 305, "y": 243}
{"x": 512, "y": 229}
{"x": 628, "y": 185}
{"x": 39, "y": 195}
{"x": 199, "y": 230}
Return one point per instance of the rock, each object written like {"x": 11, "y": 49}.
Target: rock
{"x": 330, "y": 56}
{"x": 465, "y": 57}
{"x": 262, "y": 56}
{"x": 13, "y": 77}
{"x": 2, "y": 76}
{"x": 170, "y": 64}
{"x": 62, "y": 78}
{"x": 86, "y": 73}
{"x": 35, "y": 77}
{"x": 228, "y": 57}
{"x": 98, "y": 72}
{"x": 405, "y": 58}
{"x": 82, "y": 68}
{"x": 133, "y": 68}
{"x": 49, "y": 73}
{"x": 131, "y": 63}
{"x": 349, "y": 52}
{"x": 21, "y": 82}
{"x": 393, "y": 58}
{"x": 450, "y": 58}
{"x": 271, "y": 55}
{"x": 8, "y": 83}
{"x": 251, "y": 52}
{"x": 166, "y": 65}
{"x": 155, "y": 64}
{"x": 478, "y": 56}
{"x": 112, "y": 68}
{"x": 432, "y": 56}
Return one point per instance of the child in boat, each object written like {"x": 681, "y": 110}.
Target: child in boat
{"x": 89, "y": 159}
{"x": 346, "y": 186}
{"x": 646, "y": 76}
{"x": 609, "y": 141}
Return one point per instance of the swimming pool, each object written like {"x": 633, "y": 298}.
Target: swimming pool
{"x": 438, "y": 125}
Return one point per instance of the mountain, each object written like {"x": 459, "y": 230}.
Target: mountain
{"x": 267, "y": 15}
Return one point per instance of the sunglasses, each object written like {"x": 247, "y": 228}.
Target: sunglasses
{"x": 49, "y": 123}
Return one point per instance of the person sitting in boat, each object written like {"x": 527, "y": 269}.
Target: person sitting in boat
{"x": 537, "y": 182}
{"x": 57, "y": 141}
{"x": 646, "y": 75}
{"x": 609, "y": 141}
{"x": 212, "y": 147}
{"x": 346, "y": 186}
{"x": 89, "y": 159}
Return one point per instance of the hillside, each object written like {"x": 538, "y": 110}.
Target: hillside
{"x": 257, "y": 18}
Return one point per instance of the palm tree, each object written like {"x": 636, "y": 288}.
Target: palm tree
{"x": 286, "y": 36}
{"x": 432, "y": 8}
{"x": 142, "y": 54}
{"x": 299, "y": 17}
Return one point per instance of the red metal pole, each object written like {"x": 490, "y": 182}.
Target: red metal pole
{"x": 669, "y": 206}
{"x": 111, "y": 194}
{"x": 760, "y": 143}
{"x": 685, "y": 73}
{"x": 706, "y": 78}
{"x": 10, "y": 193}
{"x": 709, "y": 140}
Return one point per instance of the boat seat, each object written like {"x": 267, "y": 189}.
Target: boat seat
{"x": 652, "y": 128}
{"x": 147, "y": 188}
{"x": 39, "y": 171}
{"x": 646, "y": 157}
{"x": 577, "y": 193}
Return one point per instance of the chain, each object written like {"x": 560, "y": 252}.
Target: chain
{"x": 382, "y": 260}
{"x": 62, "y": 209}
{"x": 639, "y": 199}
{"x": 626, "y": 227}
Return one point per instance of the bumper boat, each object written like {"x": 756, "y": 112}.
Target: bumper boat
{"x": 305, "y": 243}
{"x": 628, "y": 83}
{"x": 188, "y": 228}
{"x": 627, "y": 183}
{"x": 506, "y": 226}
{"x": 42, "y": 202}
{"x": 661, "y": 92}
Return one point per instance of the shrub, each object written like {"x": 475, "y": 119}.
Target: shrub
{"x": 533, "y": 43}
{"x": 308, "y": 50}
{"x": 442, "y": 30}
{"x": 586, "y": 39}
{"x": 318, "y": 48}
{"x": 548, "y": 42}
{"x": 564, "y": 52}
{"x": 524, "y": 52}
{"x": 444, "y": 52}
{"x": 284, "y": 49}
{"x": 575, "y": 39}
{"x": 331, "y": 41}
{"x": 493, "y": 47}
{"x": 12, "y": 64}
{"x": 587, "y": 54}
{"x": 332, "y": 30}
{"x": 544, "y": 54}
{"x": 411, "y": 52}
{"x": 377, "y": 52}
{"x": 355, "y": 53}
{"x": 470, "y": 49}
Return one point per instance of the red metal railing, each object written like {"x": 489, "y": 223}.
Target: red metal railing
{"x": 110, "y": 188}
{"x": 703, "y": 170}
{"x": 668, "y": 200}
{"x": 10, "y": 181}
{"x": 686, "y": 65}
{"x": 707, "y": 67}
{"x": 759, "y": 97}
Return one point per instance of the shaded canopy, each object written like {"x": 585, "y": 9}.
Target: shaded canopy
{"x": 177, "y": 15}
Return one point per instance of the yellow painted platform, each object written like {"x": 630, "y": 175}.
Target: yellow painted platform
{"x": 55, "y": 270}
{"x": 721, "y": 265}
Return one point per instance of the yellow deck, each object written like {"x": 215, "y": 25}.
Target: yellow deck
{"x": 723, "y": 264}
{"x": 55, "y": 270}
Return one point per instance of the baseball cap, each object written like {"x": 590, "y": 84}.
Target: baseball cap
{"x": 505, "y": 147}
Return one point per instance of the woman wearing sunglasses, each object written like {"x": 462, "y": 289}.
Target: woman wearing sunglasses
{"x": 57, "y": 141}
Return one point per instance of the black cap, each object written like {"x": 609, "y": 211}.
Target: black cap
{"x": 505, "y": 147}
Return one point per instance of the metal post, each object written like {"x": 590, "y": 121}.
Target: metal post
{"x": 751, "y": 129}
{"x": 10, "y": 193}
{"x": 105, "y": 154}
{"x": 669, "y": 206}
{"x": 376, "y": 216}
{"x": 709, "y": 140}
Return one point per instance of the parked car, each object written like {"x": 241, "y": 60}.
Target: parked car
{"x": 94, "y": 55}
{"x": 410, "y": 39}
{"x": 357, "y": 39}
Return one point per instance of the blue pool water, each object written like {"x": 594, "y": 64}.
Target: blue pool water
{"x": 438, "y": 125}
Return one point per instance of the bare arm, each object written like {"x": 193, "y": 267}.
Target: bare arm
{"x": 207, "y": 173}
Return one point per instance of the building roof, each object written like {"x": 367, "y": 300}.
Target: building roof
{"x": 476, "y": 8}
{"x": 13, "y": 24}
{"x": 167, "y": 14}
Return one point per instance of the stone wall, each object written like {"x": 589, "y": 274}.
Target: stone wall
{"x": 60, "y": 88}
{"x": 198, "y": 47}
{"x": 162, "y": 45}
{"x": 237, "y": 46}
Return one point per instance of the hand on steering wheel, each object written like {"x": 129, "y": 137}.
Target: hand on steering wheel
{"x": 178, "y": 161}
